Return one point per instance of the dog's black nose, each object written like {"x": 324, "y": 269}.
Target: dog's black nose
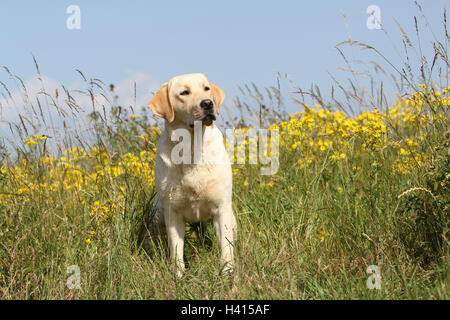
{"x": 207, "y": 104}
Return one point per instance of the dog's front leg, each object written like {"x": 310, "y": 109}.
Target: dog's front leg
{"x": 175, "y": 232}
{"x": 225, "y": 225}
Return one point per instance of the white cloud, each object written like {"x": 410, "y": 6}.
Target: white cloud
{"x": 19, "y": 101}
{"x": 51, "y": 92}
{"x": 145, "y": 86}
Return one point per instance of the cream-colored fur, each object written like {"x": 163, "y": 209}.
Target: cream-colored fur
{"x": 197, "y": 191}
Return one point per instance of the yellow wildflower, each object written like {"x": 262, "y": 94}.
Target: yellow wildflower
{"x": 29, "y": 141}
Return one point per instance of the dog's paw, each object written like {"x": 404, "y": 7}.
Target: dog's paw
{"x": 228, "y": 271}
{"x": 180, "y": 274}
{"x": 180, "y": 271}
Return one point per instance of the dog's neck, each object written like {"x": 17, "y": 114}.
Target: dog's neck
{"x": 177, "y": 125}
{"x": 198, "y": 136}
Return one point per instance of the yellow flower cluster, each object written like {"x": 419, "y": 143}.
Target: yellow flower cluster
{"x": 93, "y": 179}
{"x": 78, "y": 171}
{"x": 33, "y": 140}
{"x": 315, "y": 133}
{"x": 318, "y": 134}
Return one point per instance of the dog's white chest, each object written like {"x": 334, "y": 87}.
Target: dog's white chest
{"x": 198, "y": 194}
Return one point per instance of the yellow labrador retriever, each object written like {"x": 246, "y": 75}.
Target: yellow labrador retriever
{"x": 200, "y": 186}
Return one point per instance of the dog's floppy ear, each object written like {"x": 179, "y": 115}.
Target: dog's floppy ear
{"x": 160, "y": 104}
{"x": 218, "y": 96}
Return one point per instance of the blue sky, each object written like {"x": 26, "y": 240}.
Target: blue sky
{"x": 232, "y": 42}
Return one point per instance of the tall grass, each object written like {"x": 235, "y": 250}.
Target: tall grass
{"x": 353, "y": 189}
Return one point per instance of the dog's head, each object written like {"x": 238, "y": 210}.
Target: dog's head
{"x": 188, "y": 98}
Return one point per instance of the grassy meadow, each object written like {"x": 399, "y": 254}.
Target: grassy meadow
{"x": 353, "y": 189}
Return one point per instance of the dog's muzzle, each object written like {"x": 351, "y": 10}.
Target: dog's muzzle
{"x": 208, "y": 119}
{"x": 208, "y": 110}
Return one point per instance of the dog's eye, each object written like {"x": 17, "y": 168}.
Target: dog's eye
{"x": 184, "y": 93}
{"x": 207, "y": 88}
